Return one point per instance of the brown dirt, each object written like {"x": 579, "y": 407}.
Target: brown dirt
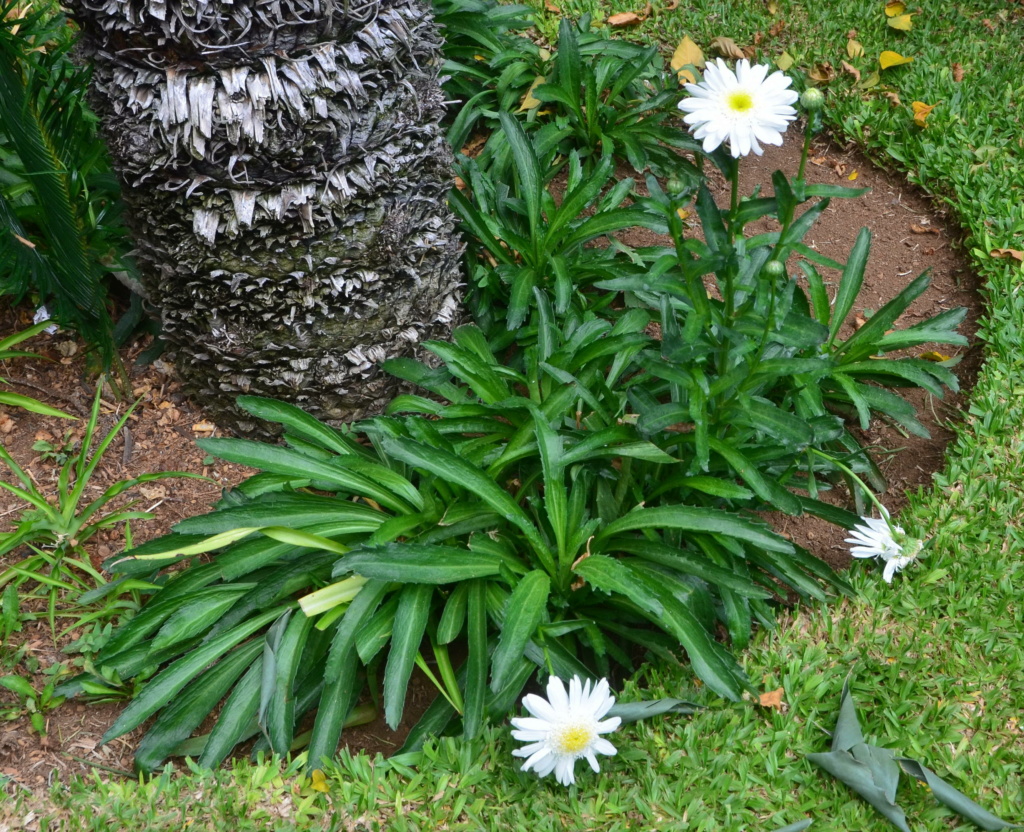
{"x": 910, "y": 235}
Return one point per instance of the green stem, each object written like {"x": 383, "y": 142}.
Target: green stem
{"x": 803, "y": 155}
{"x": 871, "y": 495}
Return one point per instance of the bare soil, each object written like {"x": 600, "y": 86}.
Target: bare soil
{"x": 910, "y": 234}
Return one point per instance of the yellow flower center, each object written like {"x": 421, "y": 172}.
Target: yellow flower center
{"x": 740, "y": 101}
{"x": 572, "y": 739}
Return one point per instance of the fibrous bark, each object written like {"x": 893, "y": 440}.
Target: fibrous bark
{"x": 285, "y": 175}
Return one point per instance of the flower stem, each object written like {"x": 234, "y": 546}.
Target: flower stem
{"x": 871, "y": 495}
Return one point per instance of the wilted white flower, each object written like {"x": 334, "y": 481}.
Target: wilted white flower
{"x": 743, "y": 108}
{"x": 878, "y": 538}
{"x": 43, "y": 314}
{"x": 565, "y": 727}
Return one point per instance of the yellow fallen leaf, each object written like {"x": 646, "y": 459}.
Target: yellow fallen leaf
{"x": 937, "y": 357}
{"x": 872, "y": 80}
{"x": 904, "y": 22}
{"x": 895, "y": 8}
{"x": 921, "y": 111}
{"x": 889, "y": 58}
{"x": 318, "y": 781}
{"x": 784, "y": 61}
{"x": 727, "y": 48}
{"x": 854, "y": 49}
{"x": 687, "y": 54}
{"x": 1002, "y": 253}
{"x": 683, "y": 213}
{"x": 529, "y": 102}
{"x": 853, "y": 176}
{"x": 773, "y": 8}
{"x": 624, "y": 19}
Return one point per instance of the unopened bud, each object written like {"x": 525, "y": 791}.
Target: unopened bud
{"x": 812, "y": 100}
{"x": 674, "y": 186}
{"x": 774, "y": 269}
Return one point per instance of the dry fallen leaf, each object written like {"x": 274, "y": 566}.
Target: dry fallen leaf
{"x": 204, "y": 427}
{"x": 822, "y": 73}
{"x": 895, "y": 8}
{"x": 859, "y": 321}
{"x": 727, "y": 48}
{"x": 893, "y": 97}
{"x": 924, "y": 229}
{"x": 687, "y": 54}
{"x": 921, "y": 111}
{"x": 850, "y": 70}
{"x": 1002, "y": 253}
{"x": 772, "y": 699}
{"x": 958, "y": 73}
{"x": 889, "y": 58}
{"x": 776, "y": 28}
{"x": 624, "y": 19}
{"x": 551, "y": 7}
{"x": 750, "y": 52}
{"x": 854, "y": 49}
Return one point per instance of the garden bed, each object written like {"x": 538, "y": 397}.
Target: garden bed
{"x": 909, "y": 236}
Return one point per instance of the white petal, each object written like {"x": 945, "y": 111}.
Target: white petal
{"x": 557, "y": 696}
{"x": 602, "y": 746}
{"x": 531, "y": 724}
{"x": 564, "y": 770}
{"x": 536, "y": 758}
{"x": 539, "y": 707}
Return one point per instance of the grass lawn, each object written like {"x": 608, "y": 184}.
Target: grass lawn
{"x": 936, "y": 660}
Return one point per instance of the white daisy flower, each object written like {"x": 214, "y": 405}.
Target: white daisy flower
{"x": 742, "y": 108}
{"x": 565, "y": 727}
{"x": 876, "y": 538}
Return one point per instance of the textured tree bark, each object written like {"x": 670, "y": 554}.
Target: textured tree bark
{"x": 286, "y": 179}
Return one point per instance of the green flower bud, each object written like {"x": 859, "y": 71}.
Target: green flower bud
{"x": 812, "y": 100}
{"x": 773, "y": 269}
{"x": 674, "y": 186}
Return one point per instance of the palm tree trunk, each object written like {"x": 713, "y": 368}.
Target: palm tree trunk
{"x": 285, "y": 175}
